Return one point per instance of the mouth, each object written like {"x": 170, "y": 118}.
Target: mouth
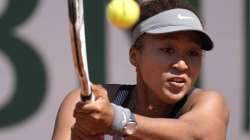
{"x": 177, "y": 83}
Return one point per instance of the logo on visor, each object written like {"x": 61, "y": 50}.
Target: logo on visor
{"x": 181, "y": 17}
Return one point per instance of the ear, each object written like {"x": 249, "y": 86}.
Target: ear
{"x": 133, "y": 56}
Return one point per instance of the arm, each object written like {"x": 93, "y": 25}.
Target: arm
{"x": 65, "y": 119}
{"x": 78, "y": 120}
{"x": 206, "y": 119}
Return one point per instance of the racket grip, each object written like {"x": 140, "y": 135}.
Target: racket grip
{"x": 90, "y": 97}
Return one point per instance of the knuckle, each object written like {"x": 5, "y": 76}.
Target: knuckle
{"x": 76, "y": 113}
{"x": 96, "y": 116}
{"x": 100, "y": 87}
{"x": 105, "y": 91}
{"x": 98, "y": 108}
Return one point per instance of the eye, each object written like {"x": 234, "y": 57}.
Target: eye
{"x": 195, "y": 53}
{"x": 167, "y": 50}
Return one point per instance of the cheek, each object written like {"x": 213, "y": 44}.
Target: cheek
{"x": 194, "y": 70}
{"x": 154, "y": 63}
{"x": 151, "y": 70}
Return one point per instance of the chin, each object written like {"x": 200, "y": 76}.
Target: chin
{"x": 173, "y": 95}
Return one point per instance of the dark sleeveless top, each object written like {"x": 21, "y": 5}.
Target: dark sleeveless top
{"x": 120, "y": 95}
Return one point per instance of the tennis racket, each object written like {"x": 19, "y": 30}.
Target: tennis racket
{"x": 78, "y": 45}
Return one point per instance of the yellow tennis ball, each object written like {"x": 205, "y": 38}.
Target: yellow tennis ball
{"x": 123, "y": 13}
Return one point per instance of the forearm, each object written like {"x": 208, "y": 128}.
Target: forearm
{"x": 164, "y": 129}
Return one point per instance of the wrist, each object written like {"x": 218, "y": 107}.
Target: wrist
{"x": 112, "y": 114}
{"x": 123, "y": 121}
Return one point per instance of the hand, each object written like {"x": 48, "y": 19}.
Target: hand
{"x": 94, "y": 117}
{"x": 76, "y": 134}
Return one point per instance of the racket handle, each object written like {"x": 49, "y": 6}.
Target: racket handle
{"x": 90, "y": 97}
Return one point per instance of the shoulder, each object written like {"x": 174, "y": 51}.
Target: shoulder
{"x": 211, "y": 98}
{"x": 212, "y": 101}
{"x": 206, "y": 107}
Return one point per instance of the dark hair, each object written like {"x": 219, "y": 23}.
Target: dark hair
{"x": 150, "y": 8}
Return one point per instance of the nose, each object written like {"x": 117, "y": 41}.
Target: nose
{"x": 180, "y": 65}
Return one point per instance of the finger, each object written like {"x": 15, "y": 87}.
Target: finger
{"x": 87, "y": 113}
{"x": 99, "y": 91}
{"x": 86, "y": 134}
{"x": 77, "y": 135}
{"x": 83, "y": 116}
{"x": 83, "y": 129}
{"x": 95, "y": 137}
{"x": 86, "y": 108}
{"x": 100, "y": 136}
{"x": 79, "y": 110}
{"x": 79, "y": 105}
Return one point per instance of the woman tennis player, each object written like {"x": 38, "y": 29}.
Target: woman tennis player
{"x": 164, "y": 104}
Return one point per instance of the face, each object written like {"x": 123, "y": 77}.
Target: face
{"x": 168, "y": 65}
